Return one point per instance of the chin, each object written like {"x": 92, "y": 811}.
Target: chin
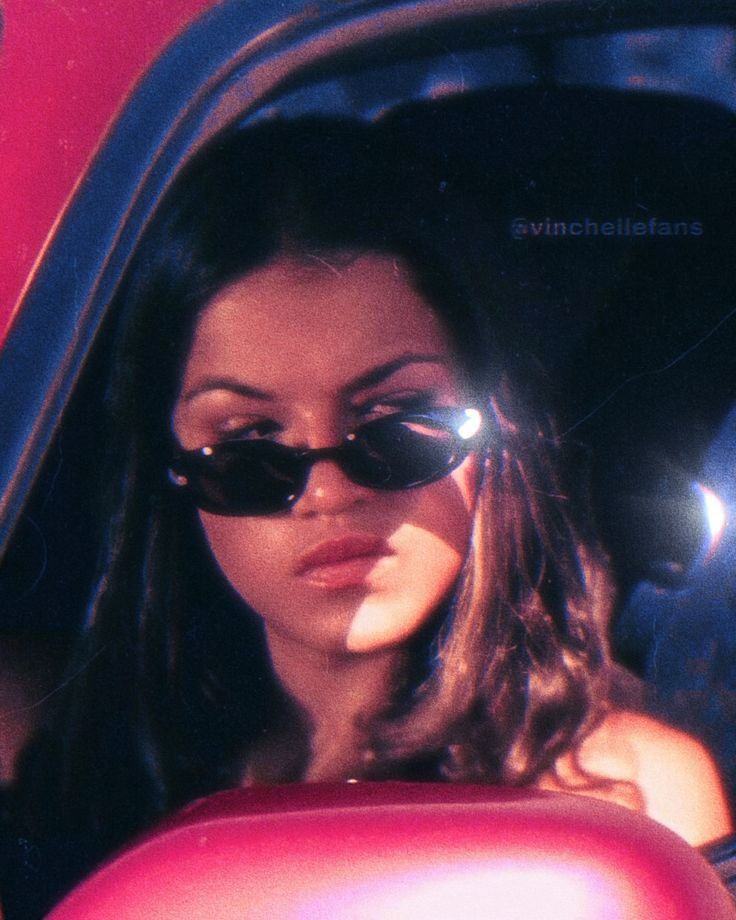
{"x": 378, "y": 626}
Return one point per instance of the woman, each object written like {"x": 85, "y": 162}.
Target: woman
{"x": 337, "y": 543}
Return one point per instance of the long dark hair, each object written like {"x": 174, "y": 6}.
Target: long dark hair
{"x": 170, "y": 685}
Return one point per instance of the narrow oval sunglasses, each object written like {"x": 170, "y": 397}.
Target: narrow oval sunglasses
{"x": 395, "y": 452}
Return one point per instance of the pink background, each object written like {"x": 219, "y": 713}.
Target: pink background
{"x": 65, "y": 68}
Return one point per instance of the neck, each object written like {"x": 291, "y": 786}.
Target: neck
{"x": 335, "y": 697}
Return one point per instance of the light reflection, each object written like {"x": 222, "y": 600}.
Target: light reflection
{"x": 507, "y": 889}
{"x": 471, "y": 426}
{"x": 715, "y": 517}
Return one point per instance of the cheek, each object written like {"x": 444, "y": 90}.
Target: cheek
{"x": 247, "y": 553}
{"x": 403, "y": 600}
{"x": 430, "y": 548}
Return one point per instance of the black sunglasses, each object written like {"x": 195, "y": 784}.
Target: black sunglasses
{"x": 398, "y": 451}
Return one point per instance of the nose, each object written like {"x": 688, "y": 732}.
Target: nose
{"x": 329, "y": 491}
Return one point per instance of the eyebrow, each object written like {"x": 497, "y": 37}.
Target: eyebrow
{"x": 368, "y": 379}
{"x": 227, "y": 383}
{"x": 384, "y": 371}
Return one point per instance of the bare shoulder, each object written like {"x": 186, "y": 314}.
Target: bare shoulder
{"x": 675, "y": 775}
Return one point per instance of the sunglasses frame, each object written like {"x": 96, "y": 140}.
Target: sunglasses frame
{"x": 188, "y": 466}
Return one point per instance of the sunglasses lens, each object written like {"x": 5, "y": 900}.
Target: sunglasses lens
{"x": 401, "y": 452}
{"x": 248, "y": 478}
{"x": 391, "y": 453}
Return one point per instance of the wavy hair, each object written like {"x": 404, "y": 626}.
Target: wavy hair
{"x": 171, "y": 685}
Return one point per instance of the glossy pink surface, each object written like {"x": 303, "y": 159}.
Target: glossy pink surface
{"x": 393, "y": 850}
{"x": 65, "y": 69}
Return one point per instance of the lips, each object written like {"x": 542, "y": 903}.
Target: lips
{"x": 342, "y": 562}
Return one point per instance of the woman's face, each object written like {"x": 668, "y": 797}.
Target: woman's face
{"x": 302, "y": 352}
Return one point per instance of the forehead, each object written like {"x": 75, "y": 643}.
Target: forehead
{"x": 330, "y": 316}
